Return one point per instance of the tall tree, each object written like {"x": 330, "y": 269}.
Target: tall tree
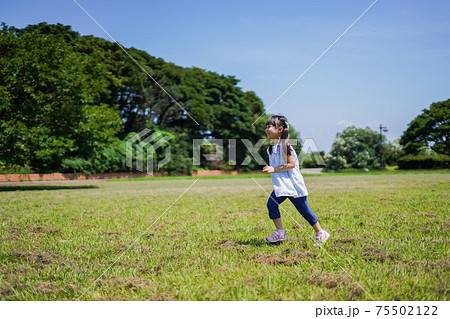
{"x": 99, "y": 75}
{"x": 49, "y": 105}
{"x": 429, "y": 129}
{"x": 355, "y": 148}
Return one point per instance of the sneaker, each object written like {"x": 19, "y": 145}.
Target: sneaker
{"x": 278, "y": 235}
{"x": 322, "y": 236}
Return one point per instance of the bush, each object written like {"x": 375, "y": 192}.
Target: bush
{"x": 423, "y": 162}
{"x": 334, "y": 163}
{"x": 16, "y": 169}
{"x": 310, "y": 164}
{"x": 180, "y": 161}
{"x": 392, "y": 151}
{"x": 354, "y": 148}
{"x": 108, "y": 160}
{"x": 76, "y": 165}
{"x": 309, "y": 160}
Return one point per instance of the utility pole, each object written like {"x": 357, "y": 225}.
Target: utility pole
{"x": 384, "y": 129}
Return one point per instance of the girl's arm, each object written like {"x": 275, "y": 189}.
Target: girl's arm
{"x": 285, "y": 167}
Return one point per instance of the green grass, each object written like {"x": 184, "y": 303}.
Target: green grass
{"x": 390, "y": 232}
{"x": 389, "y": 170}
{"x": 169, "y": 178}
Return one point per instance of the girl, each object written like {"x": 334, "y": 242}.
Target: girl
{"x": 286, "y": 179}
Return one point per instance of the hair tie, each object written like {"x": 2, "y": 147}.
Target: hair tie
{"x": 287, "y": 124}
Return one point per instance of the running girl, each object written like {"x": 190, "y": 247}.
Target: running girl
{"x": 286, "y": 179}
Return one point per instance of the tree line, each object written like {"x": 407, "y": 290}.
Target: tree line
{"x": 424, "y": 144}
{"x": 69, "y": 103}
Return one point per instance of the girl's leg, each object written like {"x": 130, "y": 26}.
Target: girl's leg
{"x": 277, "y": 222}
{"x": 317, "y": 227}
{"x": 274, "y": 213}
{"x": 302, "y": 206}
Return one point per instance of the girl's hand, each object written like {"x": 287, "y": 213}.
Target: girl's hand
{"x": 268, "y": 169}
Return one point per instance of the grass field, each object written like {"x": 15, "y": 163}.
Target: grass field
{"x": 390, "y": 240}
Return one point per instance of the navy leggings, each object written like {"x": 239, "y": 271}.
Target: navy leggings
{"x": 299, "y": 202}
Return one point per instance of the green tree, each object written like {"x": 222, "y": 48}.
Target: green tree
{"x": 219, "y": 107}
{"x": 355, "y": 148}
{"x": 49, "y": 105}
{"x": 89, "y": 77}
{"x": 392, "y": 151}
{"x": 431, "y": 129}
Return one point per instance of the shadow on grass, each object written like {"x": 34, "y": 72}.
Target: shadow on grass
{"x": 41, "y": 187}
{"x": 253, "y": 242}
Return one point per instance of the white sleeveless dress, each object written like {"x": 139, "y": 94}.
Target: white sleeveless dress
{"x": 288, "y": 183}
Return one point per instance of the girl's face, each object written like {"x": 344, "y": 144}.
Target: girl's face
{"x": 273, "y": 132}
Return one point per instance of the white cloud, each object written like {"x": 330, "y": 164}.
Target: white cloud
{"x": 345, "y": 123}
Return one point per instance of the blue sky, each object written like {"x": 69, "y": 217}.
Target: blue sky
{"x": 394, "y": 62}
